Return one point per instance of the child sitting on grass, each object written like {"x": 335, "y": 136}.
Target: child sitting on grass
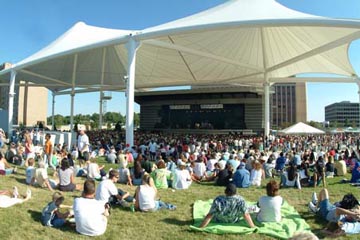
{"x": 51, "y": 216}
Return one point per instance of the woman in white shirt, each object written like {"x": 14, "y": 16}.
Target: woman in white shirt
{"x": 181, "y": 177}
{"x": 146, "y": 194}
{"x": 270, "y": 205}
{"x": 257, "y": 174}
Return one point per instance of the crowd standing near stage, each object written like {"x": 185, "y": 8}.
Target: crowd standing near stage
{"x": 158, "y": 160}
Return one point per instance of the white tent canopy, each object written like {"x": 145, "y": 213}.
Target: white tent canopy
{"x": 241, "y": 42}
{"x": 301, "y": 128}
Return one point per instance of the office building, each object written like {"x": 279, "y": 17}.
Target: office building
{"x": 288, "y": 104}
{"x": 30, "y": 103}
{"x": 342, "y": 114}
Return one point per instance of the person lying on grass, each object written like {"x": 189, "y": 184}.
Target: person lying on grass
{"x": 10, "y": 198}
{"x": 228, "y": 209}
{"x": 345, "y": 215}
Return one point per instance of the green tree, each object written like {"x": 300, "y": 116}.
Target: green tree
{"x": 315, "y": 124}
{"x": 285, "y": 125}
{"x": 136, "y": 120}
{"x": 112, "y": 117}
{"x": 334, "y": 124}
{"x": 346, "y": 124}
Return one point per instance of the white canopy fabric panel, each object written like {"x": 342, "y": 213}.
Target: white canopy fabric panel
{"x": 234, "y": 11}
{"x": 301, "y": 128}
{"x": 240, "y": 40}
{"x": 53, "y": 65}
{"x": 234, "y": 43}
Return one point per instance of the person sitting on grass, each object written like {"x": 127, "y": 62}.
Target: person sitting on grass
{"x": 90, "y": 214}
{"x": 241, "y": 177}
{"x": 125, "y": 176}
{"x": 108, "y": 192}
{"x": 319, "y": 173}
{"x": 138, "y": 173}
{"x": 340, "y": 167}
{"x": 94, "y": 171}
{"x": 181, "y": 178}
{"x": 66, "y": 177}
{"x": 51, "y": 215}
{"x": 270, "y": 205}
{"x": 11, "y": 198}
{"x": 42, "y": 179}
{"x": 160, "y": 175}
{"x": 228, "y": 209}
{"x": 145, "y": 196}
{"x": 257, "y": 174}
{"x": 5, "y": 168}
{"x": 290, "y": 177}
{"x": 30, "y": 171}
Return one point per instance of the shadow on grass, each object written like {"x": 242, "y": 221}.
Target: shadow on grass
{"x": 177, "y": 222}
{"x": 20, "y": 180}
{"x": 35, "y": 215}
{"x": 68, "y": 227}
{"x": 318, "y": 220}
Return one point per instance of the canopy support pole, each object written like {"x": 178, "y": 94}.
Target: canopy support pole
{"x": 266, "y": 87}
{"x": 72, "y": 112}
{"x": 53, "y": 112}
{"x": 101, "y": 110}
{"x": 11, "y": 102}
{"x": 358, "y": 83}
{"x": 101, "y": 91}
{"x": 73, "y": 95}
{"x": 266, "y": 109}
{"x": 132, "y": 46}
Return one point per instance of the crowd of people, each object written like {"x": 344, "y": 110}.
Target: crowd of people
{"x": 157, "y": 161}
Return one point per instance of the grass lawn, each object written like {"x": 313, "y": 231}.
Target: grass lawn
{"x": 23, "y": 221}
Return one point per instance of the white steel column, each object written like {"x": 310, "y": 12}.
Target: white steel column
{"x": 358, "y": 83}
{"x": 11, "y": 102}
{"x": 101, "y": 110}
{"x": 72, "y": 112}
{"x": 53, "y": 111}
{"x": 73, "y": 95}
{"x": 101, "y": 86}
{"x": 266, "y": 109}
{"x": 131, "y": 46}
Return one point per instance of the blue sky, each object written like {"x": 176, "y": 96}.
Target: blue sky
{"x": 28, "y": 26}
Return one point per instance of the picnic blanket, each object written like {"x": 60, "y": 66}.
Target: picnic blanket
{"x": 290, "y": 224}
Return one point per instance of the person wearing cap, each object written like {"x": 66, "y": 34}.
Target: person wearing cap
{"x": 228, "y": 209}
{"x": 181, "y": 178}
{"x": 241, "y": 177}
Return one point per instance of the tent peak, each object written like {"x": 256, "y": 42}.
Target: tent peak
{"x": 236, "y": 11}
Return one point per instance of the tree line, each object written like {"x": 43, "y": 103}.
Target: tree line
{"x": 92, "y": 120}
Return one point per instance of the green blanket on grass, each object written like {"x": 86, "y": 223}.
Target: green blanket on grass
{"x": 290, "y": 224}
